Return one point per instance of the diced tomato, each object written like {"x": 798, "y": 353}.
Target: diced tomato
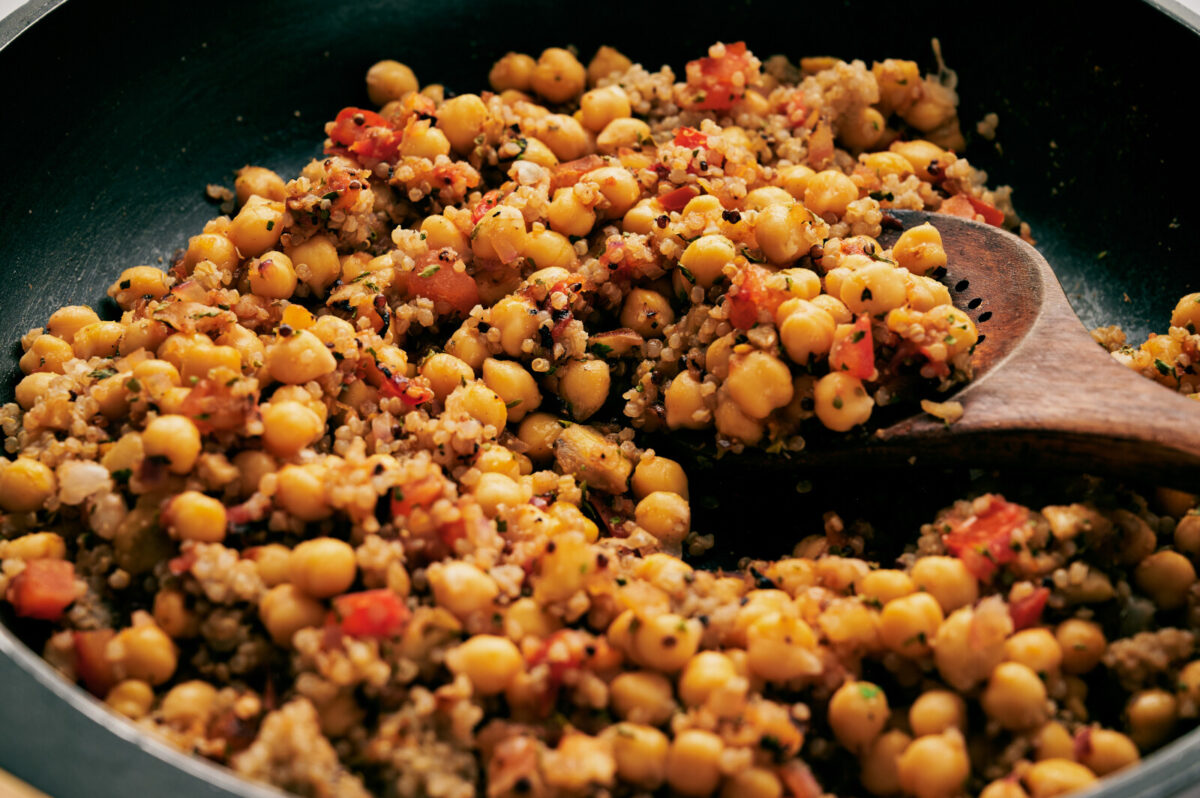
{"x": 362, "y": 132}
{"x": 568, "y": 174}
{"x": 984, "y": 541}
{"x": 371, "y": 613}
{"x": 182, "y": 564}
{"x": 799, "y": 780}
{"x": 1026, "y": 612}
{"x": 969, "y": 207}
{"x": 490, "y": 200}
{"x": 691, "y": 138}
{"x": 421, "y": 493}
{"x": 43, "y": 590}
{"x": 435, "y": 277}
{"x": 711, "y": 80}
{"x": 678, "y": 199}
{"x": 412, "y": 392}
{"x": 820, "y": 144}
{"x": 91, "y": 661}
{"x": 753, "y": 297}
{"x": 854, "y": 351}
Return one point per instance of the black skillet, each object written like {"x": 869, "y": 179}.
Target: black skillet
{"x": 117, "y": 114}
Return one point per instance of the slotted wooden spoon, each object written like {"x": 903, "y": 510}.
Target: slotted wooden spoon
{"x": 1044, "y": 394}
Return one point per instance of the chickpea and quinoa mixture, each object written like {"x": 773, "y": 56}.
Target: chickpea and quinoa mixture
{"x": 324, "y": 504}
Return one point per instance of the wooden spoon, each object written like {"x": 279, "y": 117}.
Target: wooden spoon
{"x": 1045, "y": 394}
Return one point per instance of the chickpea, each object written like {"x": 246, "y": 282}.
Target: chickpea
{"x": 640, "y": 753}
{"x": 1082, "y": 643}
{"x": 1108, "y": 751}
{"x": 759, "y": 383}
{"x": 693, "y": 767}
{"x": 445, "y": 373}
{"x": 500, "y": 234}
{"x": 753, "y": 783}
{"x": 785, "y": 231}
{"x": 1187, "y": 313}
{"x": 884, "y": 585}
{"x": 188, "y": 703}
{"x": 143, "y": 651}
{"x": 513, "y": 71}
{"x": 765, "y": 197}
{"x": 921, "y": 154}
{"x": 666, "y": 641}
{"x": 252, "y": 466}
{"x": 841, "y": 401}
{"x": 794, "y": 180}
{"x": 875, "y": 289}
{"x": 934, "y": 766}
{"x": 284, "y": 610}
{"x": 834, "y": 307}
{"x": 880, "y": 772}
{"x": 288, "y": 427}
{"x": 584, "y": 386}
{"x": 389, "y": 80}
{"x": 1053, "y": 741}
{"x": 733, "y": 422}
{"x": 175, "y": 438}
{"x": 647, "y": 313}
{"x": 539, "y": 431}
{"x": 32, "y": 387}
{"x": 496, "y": 490}
{"x": 462, "y": 120}
{"x": 461, "y": 587}
{"x": 514, "y": 385}
{"x": 1166, "y": 577}
{"x": 568, "y": 215}
{"x": 257, "y": 226}
{"x": 919, "y": 249}
{"x": 299, "y": 358}
{"x": 685, "y": 404}
{"x": 37, "y": 546}
{"x": 654, "y": 473}
{"x": 705, "y": 258}
{"x": 137, "y": 282}
{"x": 806, "y": 330}
{"x": 253, "y": 181}
{"x": 25, "y": 485}
{"x": 480, "y": 403}
{"x": 935, "y": 711}
{"x": 66, "y": 321}
{"x": 440, "y": 232}
{"x": 551, "y": 250}
{"x": 490, "y": 662}
{"x": 564, "y": 135}
{"x": 858, "y": 712}
{"x": 1015, "y": 697}
{"x": 599, "y": 107}
{"x": 300, "y": 491}
{"x": 861, "y": 128}
{"x": 1037, "y": 649}
{"x": 537, "y": 152}
{"x": 1052, "y": 777}
{"x": 909, "y": 623}
{"x": 46, "y": 353}
{"x": 605, "y": 62}
{"x": 706, "y": 672}
{"x": 558, "y": 76}
{"x": 316, "y": 262}
{"x": 322, "y": 567}
{"x": 780, "y": 647}
{"x": 1151, "y": 715}
{"x": 516, "y": 318}
{"x": 133, "y": 698}
{"x": 193, "y": 516}
{"x": 623, "y": 132}
{"x": 642, "y": 697}
{"x": 829, "y": 192}
{"x": 947, "y": 580}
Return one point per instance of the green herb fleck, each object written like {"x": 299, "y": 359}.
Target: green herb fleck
{"x": 868, "y": 691}
{"x": 1162, "y": 367}
{"x": 132, "y": 384}
{"x": 687, "y": 275}
{"x": 430, "y": 271}
{"x": 837, "y": 402}
{"x": 103, "y": 374}
{"x": 513, "y": 403}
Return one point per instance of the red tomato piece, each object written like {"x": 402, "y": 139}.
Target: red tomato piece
{"x": 679, "y": 198}
{"x": 43, "y": 590}
{"x": 411, "y": 392}
{"x": 490, "y": 200}
{"x": 691, "y": 138}
{"x": 421, "y": 493}
{"x": 969, "y": 207}
{"x": 990, "y": 213}
{"x": 435, "y": 277}
{"x": 854, "y": 353}
{"x": 91, "y": 661}
{"x": 753, "y": 297}
{"x": 1026, "y": 612}
{"x": 712, "y": 79}
{"x": 366, "y": 133}
{"x": 371, "y": 613}
{"x": 984, "y": 541}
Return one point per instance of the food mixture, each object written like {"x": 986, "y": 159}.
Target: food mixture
{"x": 359, "y": 495}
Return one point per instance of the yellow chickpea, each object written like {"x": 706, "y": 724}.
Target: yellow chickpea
{"x": 861, "y": 128}
{"x": 880, "y": 772}
{"x": 765, "y": 197}
{"x": 705, "y": 258}
{"x": 290, "y": 426}
{"x": 495, "y": 490}
{"x": 322, "y": 567}
{"x": 1166, "y": 577}
{"x": 284, "y": 610}
{"x": 564, "y": 136}
{"x": 499, "y": 235}
{"x": 513, "y": 71}
{"x": 642, "y": 697}
{"x": 919, "y": 249}
{"x": 300, "y": 491}
{"x": 606, "y": 61}
{"x": 46, "y": 354}
{"x": 67, "y": 321}
{"x": 583, "y": 386}
{"x": 514, "y": 385}
{"x": 462, "y": 120}
{"x": 490, "y": 662}
{"x": 32, "y": 387}
{"x": 858, "y": 712}
{"x": 875, "y": 289}
{"x": 1015, "y": 697}
{"x": 174, "y": 438}
{"x": 1152, "y": 715}
{"x": 37, "y": 546}
{"x": 143, "y": 651}
{"x": 759, "y": 383}
{"x": 389, "y": 80}
{"x": 1082, "y": 643}
{"x": 193, "y": 516}
{"x": 934, "y": 766}
{"x": 252, "y": 181}
{"x": 693, "y": 767}
{"x": 1052, "y": 777}
{"x": 558, "y": 76}
{"x": 599, "y": 107}
{"x": 947, "y": 580}
{"x": 137, "y": 282}
{"x": 480, "y": 403}
{"x": 1053, "y": 741}
{"x": 623, "y": 132}
{"x": 550, "y": 250}
{"x": 752, "y": 783}
{"x": 316, "y": 262}
{"x": 655, "y": 473}
{"x": 805, "y": 329}
{"x": 257, "y": 226}
{"x": 935, "y": 711}
{"x": 666, "y": 641}
{"x": 706, "y": 672}
{"x": 1187, "y": 313}
{"x": 884, "y": 585}
{"x": 133, "y": 698}
{"x": 732, "y": 422}
{"x": 646, "y": 312}
{"x": 539, "y": 431}
{"x": 921, "y": 155}
{"x": 780, "y": 647}
{"x": 1037, "y": 649}
{"x": 909, "y": 623}
{"x": 640, "y": 753}
{"x": 685, "y": 403}
{"x": 299, "y": 358}
{"x": 829, "y": 192}
{"x": 568, "y": 215}
{"x": 461, "y": 587}
{"x": 445, "y": 373}
{"x": 252, "y": 466}
{"x": 794, "y": 180}
{"x": 617, "y": 186}
{"x": 25, "y": 485}
{"x": 665, "y": 515}
{"x": 1108, "y": 751}
{"x": 841, "y": 402}
{"x": 516, "y": 318}
{"x": 785, "y": 231}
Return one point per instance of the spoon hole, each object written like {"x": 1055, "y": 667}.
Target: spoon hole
{"x": 982, "y": 337}
{"x": 987, "y": 314}
{"x": 974, "y": 303}
{"x": 962, "y": 285}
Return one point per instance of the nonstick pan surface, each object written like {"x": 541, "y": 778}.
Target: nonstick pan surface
{"x": 117, "y": 114}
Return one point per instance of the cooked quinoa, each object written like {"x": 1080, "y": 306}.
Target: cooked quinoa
{"x": 360, "y": 497}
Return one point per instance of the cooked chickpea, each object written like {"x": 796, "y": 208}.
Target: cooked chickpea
{"x": 445, "y": 373}
{"x": 558, "y": 76}
{"x": 254, "y": 181}
{"x": 858, "y": 712}
{"x": 440, "y": 232}
{"x": 284, "y": 610}
{"x": 37, "y": 546}
{"x": 642, "y": 697}
{"x": 568, "y": 215}
{"x": 935, "y": 711}
{"x": 143, "y": 651}
{"x": 605, "y": 62}
{"x": 785, "y": 231}
{"x": 494, "y": 490}
{"x": 322, "y": 567}
{"x": 188, "y": 703}
{"x": 299, "y": 358}
{"x": 884, "y": 585}
{"x": 1053, "y": 741}
{"x": 32, "y": 387}
{"x": 500, "y": 234}
{"x": 753, "y": 782}
{"x": 133, "y": 698}
{"x": 1151, "y": 714}
{"x": 1015, "y": 697}
{"x": 583, "y": 386}
{"x": 316, "y": 262}
{"x": 693, "y": 766}
{"x": 921, "y": 154}
{"x": 175, "y": 438}
{"x": 550, "y": 250}
{"x": 300, "y": 491}
{"x": 685, "y": 403}
{"x": 1108, "y": 751}
{"x": 1166, "y": 577}
{"x": 794, "y": 180}
{"x": 1052, "y": 777}
{"x": 1037, "y": 649}
{"x": 516, "y": 318}
{"x": 66, "y": 321}
{"x": 623, "y": 132}
{"x": 514, "y": 385}
{"x": 780, "y": 647}
{"x": 25, "y": 485}
{"x": 480, "y": 403}
{"x": 861, "y": 128}
{"x": 732, "y": 422}
{"x": 539, "y": 431}
{"x": 947, "y": 580}
{"x": 705, "y": 258}
{"x": 934, "y": 766}
{"x": 665, "y": 515}
{"x": 252, "y": 466}
{"x": 137, "y": 282}
{"x": 759, "y": 383}
{"x": 565, "y": 137}
{"x": 654, "y": 473}
{"x": 806, "y": 330}
{"x": 513, "y": 71}
{"x": 706, "y": 672}
{"x": 640, "y": 752}
{"x": 1187, "y": 313}
{"x": 193, "y": 516}
{"x": 879, "y": 766}
{"x": 289, "y": 426}
{"x": 257, "y": 226}
{"x": 462, "y": 120}
{"x": 829, "y": 192}
{"x": 599, "y": 107}
{"x": 490, "y": 662}
{"x": 919, "y": 249}
{"x": 766, "y": 196}
{"x": 834, "y": 307}
{"x": 101, "y": 339}
{"x": 909, "y": 623}
{"x": 48, "y": 354}
{"x": 841, "y": 401}
{"x": 1082, "y": 643}
{"x": 666, "y": 641}
{"x": 389, "y": 80}
{"x": 875, "y": 289}
{"x": 461, "y": 587}
{"x": 646, "y": 312}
